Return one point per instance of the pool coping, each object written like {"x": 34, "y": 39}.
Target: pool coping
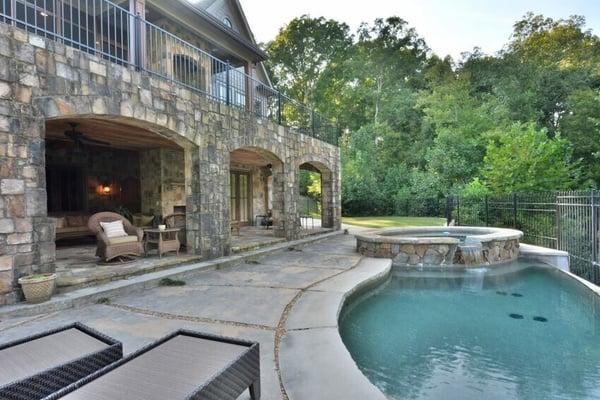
{"x": 314, "y": 361}
{"x": 482, "y": 234}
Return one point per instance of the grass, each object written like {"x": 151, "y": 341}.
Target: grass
{"x": 171, "y": 282}
{"x": 391, "y": 221}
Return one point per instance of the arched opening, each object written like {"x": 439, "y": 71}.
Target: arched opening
{"x": 315, "y": 201}
{"x": 256, "y": 197}
{"x": 99, "y": 164}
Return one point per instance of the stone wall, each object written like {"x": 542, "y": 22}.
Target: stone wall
{"x": 162, "y": 180}
{"x": 418, "y": 254}
{"x": 41, "y": 80}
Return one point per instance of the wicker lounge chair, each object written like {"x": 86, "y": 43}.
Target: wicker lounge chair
{"x": 183, "y": 365}
{"x": 37, "y": 366}
{"x": 128, "y": 246}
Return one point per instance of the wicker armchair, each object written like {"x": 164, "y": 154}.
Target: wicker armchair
{"x": 177, "y": 220}
{"x": 108, "y": 249}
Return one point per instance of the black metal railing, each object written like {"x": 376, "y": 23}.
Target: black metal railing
{"x": 568, "y": 221}
{"x": 112, "y": 32}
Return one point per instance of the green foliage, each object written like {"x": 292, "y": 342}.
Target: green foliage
{"x": 302, "y": 50}
{"x": 581, "y": 126}
{"x": 171, "y": 282}
{"x": 524, "y": 159}
{"x": 420, "y": 126}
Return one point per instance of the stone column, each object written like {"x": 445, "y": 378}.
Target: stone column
{"x": 26, "y": 233}
{"x": 207, "y": 192}
{"x": 291, "y": 199}
{"x": 279, "y": 200}
{"x": 327, "y": 199}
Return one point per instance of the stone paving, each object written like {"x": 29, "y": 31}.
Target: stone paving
{"x": 251, "y": 301}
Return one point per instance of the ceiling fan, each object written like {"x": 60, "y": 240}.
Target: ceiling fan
{"x": 80, "y": 139}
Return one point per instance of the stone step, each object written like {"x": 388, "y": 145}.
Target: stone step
{"x": 133, "y": 284}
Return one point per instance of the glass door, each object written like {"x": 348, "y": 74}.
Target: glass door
{"x": 240, "y": 197}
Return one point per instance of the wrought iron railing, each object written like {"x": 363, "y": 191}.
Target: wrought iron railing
{"x": 568, "y": 221}
{"x": 114, "y": 33}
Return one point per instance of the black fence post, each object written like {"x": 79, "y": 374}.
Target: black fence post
{"x": 228, "y": 83}
{"x": 457, "y": 210}
{"x": 487, "y": 211}
{"x": 594, "y": 227}
{"x": 449, "y": 205}
{"x": 557, "y": 219}
{"x": 515, "y": 210}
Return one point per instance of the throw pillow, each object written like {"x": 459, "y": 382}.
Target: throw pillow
{"x": 113, "y": 229}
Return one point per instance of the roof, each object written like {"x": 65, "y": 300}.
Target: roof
{"x": 201, "y": 8}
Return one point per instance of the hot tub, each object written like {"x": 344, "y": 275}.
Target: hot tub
{"x": 447, "y": 245}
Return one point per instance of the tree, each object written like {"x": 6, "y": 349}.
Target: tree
{"x": 581, "y": 125}
{"x": 302, "y": 50}
{"x": 462, "y": 124}
{"x": 524, "y": 159}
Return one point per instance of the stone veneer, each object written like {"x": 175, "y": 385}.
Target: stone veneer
{"x": 41, "y": 79}
{"x": 497, "y": 245}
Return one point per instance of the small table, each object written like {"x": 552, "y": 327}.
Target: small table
{"x": 165, "y": 240}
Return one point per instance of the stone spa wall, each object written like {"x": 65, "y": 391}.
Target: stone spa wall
{"x": 427, "y": 246}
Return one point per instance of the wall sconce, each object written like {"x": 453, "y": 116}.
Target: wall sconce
{"x": 105, "y": 189}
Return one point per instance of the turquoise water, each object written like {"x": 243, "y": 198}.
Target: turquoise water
{"x": 530, "y": 334}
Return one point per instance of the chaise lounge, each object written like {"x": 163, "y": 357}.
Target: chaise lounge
{"x": 39, "y": 365}
{"x": 182, "y": 365}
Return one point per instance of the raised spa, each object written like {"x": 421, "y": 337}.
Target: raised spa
{"x": 448, "y": 245}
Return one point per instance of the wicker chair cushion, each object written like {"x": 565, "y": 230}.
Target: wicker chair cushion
{"x": 113, "y": 229}
{"x": 123, "y": 239}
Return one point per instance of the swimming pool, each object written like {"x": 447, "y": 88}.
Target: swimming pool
{"x": 525, "y": 332}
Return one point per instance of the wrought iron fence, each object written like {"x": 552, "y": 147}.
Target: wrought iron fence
{"x": 112, "y": 32}
{"x": 568, "y": 221}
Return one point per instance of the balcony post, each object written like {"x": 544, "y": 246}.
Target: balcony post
{"x": 249, "y": 87}
{"x": 228, "y": 83}
{"x": 279, "y": 104}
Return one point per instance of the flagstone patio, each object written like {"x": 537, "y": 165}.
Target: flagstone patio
{"x": 251, "y": 300}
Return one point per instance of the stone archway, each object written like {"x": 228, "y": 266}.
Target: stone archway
{"x": 330, "y": 210}
{"x": 263, "y": 171}
{"x": 151, "y": 170}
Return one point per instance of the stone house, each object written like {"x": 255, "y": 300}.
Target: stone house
{"x": 154, "y": 106}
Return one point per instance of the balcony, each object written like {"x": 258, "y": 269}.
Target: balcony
{"x": 110, "y": 31}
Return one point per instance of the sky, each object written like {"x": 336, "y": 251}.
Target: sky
{"x": 448, "y": 26}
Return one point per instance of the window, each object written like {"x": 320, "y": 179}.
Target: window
{"x": 227, "y": 22}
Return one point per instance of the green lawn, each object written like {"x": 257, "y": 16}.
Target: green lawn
{"x": 388, "y": 222}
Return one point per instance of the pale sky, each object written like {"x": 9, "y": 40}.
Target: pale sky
{"x": 448, "y": 26}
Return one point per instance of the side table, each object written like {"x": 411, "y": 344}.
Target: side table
{"x": 164, "y": 240}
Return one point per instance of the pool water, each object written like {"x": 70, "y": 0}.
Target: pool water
{"x": 531, "y": 333}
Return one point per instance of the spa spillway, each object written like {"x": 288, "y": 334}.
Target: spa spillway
{"x": 441, "y": 246}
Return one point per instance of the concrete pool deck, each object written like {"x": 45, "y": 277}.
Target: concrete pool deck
{"x": 288, "y": 299}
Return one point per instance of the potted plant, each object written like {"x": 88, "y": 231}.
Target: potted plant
{"x": 37, "y": 287}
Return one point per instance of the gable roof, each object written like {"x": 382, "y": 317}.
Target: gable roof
{"x": 212, "y": 7}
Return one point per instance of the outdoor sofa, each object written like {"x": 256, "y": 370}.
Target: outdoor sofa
{"x": 183, "y": 365}
{"x": 37, "y": 366}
